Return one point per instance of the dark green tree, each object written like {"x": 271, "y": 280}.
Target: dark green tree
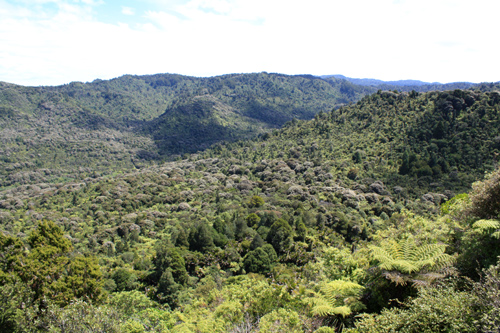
{"x": 168, "y": 289}
{"x": 182, "y": 239}
{"x": 49, "y": 270}
{"x": 260, "y": 260}
{"x": 280, "y": 236}
{"x": 301, "y": 232}
{"x": 404, "y": 169}
{"x": 200, "y": 239}
{"x": 124, "y": 279}
{"x": 257, "y": 241}
{"x": 170, "y": 258}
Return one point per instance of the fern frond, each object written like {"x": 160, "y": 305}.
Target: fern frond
{"x": 443, "y": 260}
{"x": 342, "y": 310}
{"x": 322, "y": 310}
{"x": 429, "y": 251}
{"x": 341, "y": 287}
{"x": 327, "y": 310}
{"x": 486, "y": 225}
{"x": 337, "y": 289}
{"x": 420, "y": 283}
{"x": 496, "y": 234}
{"x": 316, "y": 301}
{"x": 400, "y": 261}
{"x": 408, "y": 249}
{"x": 334, "y": 298}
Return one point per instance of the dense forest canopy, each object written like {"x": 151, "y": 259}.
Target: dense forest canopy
{"x": 367, "y": 211}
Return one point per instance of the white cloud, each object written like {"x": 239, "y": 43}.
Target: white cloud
{"x": 431, "y": 40}
{"x": 128, "y": 11}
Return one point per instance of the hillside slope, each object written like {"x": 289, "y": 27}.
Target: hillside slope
{"x": 76, "y": 130}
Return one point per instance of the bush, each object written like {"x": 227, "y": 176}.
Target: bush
{"x": 485, "y": 197}
{"x": 437, "y": 309}
{"x": 280, "y": 321}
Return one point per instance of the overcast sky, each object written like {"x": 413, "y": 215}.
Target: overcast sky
{"x": 51, "y": 42}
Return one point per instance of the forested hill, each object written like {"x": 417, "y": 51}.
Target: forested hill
{"x": 403, "y": 85}
{"x": 347, "y": 222}
{"x": 50, "y": 133}
{"x": 429, "y": 141}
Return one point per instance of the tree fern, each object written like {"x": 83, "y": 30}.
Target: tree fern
{"x": 491, "y": 227}
{"x": 404, "y": 260}
{"x": 337, "y": 297}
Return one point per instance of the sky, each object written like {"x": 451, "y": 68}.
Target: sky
{"x": 53, "y": 42}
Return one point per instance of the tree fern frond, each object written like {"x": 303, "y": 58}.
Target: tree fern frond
{"x": 408, "y": 249}
{"x": 342, "y": 287}
{"x": 420, "y": 283}
{"x": 486, "y": 225}
{"x": 429, "y": 251}
{"x": 404, "y": 260}
{"x": 496, "y": 234}
{"x": 327, "y": 310}
{"x": 336, "y": 289}
{"x": 335, "y": 298}
{"x": 342, "y": 310}
{"x": 316, "y": 301}
{"x": 443, "y": 260}
{"x": 405, "y": 266}
{"x": 322, "y": 310}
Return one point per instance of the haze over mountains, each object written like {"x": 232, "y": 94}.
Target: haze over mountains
{"x": 404, "y": 85}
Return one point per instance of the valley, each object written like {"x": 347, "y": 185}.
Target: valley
{"x": 249, "y": 203}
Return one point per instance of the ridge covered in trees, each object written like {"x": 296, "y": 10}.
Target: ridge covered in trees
{"x": 129, "y": 122}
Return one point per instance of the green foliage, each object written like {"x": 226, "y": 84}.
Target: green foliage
{"x": 168, "y": 289}
{"x": 354, "y": 188}
{"x": 488, "y": 226}
{"x": 405, "y": 260}
{"x": 124, "y": 279}
{"x": 256, "y": 201}
{"x": 336, "y": 297}
{"x": 436, "y": 309}
{"x": 81, "y": 316}
{"x": 15, "y": 296}
{"x": 46, "y": 235}
{"x": 131, "y": 302}
{"x": 325, "y": 329}
{"x": 48, "y": 270}
{"x": 282, "y": 321}
{"x": 455, "y": 205}
{"x": 487, "y": 291}
{"x": 252, "y": 220}
{"x": 200, "y": 239}
{"x": 231, "y": 312}
{"x": 80, "y": 129}
{"x": 485, "y": 197}
{"x": 169, "y": 258}
{"x": 260, "y": 260}
{"x": 280, "y": 236}
{"x": 341, "y": 264}
{"x": 13, "y": 251}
